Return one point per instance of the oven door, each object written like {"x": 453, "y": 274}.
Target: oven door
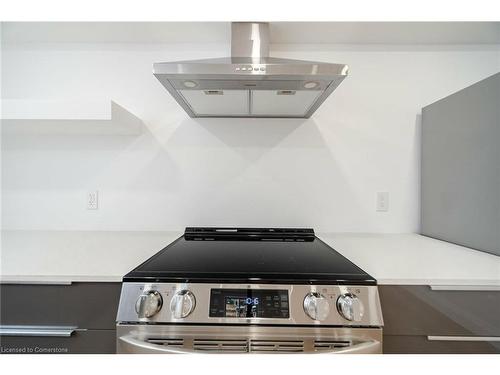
{"x": 172, "y": 339}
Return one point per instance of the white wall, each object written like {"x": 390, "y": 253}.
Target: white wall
{"x": 322, "y": 172}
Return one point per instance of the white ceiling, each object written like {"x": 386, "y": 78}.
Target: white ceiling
{"x": 281, "y": 32}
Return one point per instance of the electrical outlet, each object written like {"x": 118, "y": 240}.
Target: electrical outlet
{"x": 93, "y": 200}
{"x": 383, "y": 201}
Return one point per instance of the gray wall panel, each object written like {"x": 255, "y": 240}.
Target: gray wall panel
{"x": 461, "y": 167}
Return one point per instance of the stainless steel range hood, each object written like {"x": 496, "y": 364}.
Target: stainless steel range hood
{"x": 250, "y": 83}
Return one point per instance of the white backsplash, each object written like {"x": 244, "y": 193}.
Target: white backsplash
{"x": 323, "y": 172}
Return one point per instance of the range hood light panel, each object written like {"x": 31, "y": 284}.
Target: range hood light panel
{"x": 310, "y": 85}
{"x": 190, "y": 84}
{"x": 250, "y": 83}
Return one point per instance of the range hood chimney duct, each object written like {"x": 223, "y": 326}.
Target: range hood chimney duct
{"x": 250, "y": 39}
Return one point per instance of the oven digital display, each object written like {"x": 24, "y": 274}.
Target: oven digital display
{"x": 249, "y": 303}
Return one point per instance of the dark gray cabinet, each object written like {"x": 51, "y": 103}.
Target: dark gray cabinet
{"x": 422, "y": 345}
{"x": 418, "y": 319}
{"x": 80, "y": 342}
{"x": 90, "y": 308}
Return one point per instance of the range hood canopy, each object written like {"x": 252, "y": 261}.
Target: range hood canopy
{"x": 250, "y": 83}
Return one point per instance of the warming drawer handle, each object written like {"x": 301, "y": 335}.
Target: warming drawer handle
{"x": 37, "y": 331}
{"x": 464, "y": 338}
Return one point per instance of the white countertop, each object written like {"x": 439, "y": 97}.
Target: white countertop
{"x": 73, "y": 256}
{"x": 84, "y": 256}
{"x": 412, "y": 259}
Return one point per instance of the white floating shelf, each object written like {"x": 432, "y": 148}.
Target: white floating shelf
{"x": 63, "y": 117}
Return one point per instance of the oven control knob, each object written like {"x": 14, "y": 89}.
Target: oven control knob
{"x": 182, "y": 304}
{"x": 350, "y": 307}
{"x": 148, "y": 304}
{"x": 316, "y": 306}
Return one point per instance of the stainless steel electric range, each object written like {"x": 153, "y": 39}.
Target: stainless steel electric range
{"x": 247, "y": 290}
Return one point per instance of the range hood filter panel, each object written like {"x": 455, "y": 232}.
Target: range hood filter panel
{"x": 276, "y": 103}
{"x": 224, "y": 102}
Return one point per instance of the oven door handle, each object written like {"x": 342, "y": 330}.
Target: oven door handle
{"x": 129, "y": 344}
{"x": 366, "y": 347}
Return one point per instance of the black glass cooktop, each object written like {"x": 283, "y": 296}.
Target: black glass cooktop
{"x": 263, "y": 255}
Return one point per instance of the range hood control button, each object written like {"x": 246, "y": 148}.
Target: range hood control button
{"x": 182, "y": 304}
{"x": 148, "y": 304}
{"x": 350, "y": 307}
{"x": 316, "y": 306}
